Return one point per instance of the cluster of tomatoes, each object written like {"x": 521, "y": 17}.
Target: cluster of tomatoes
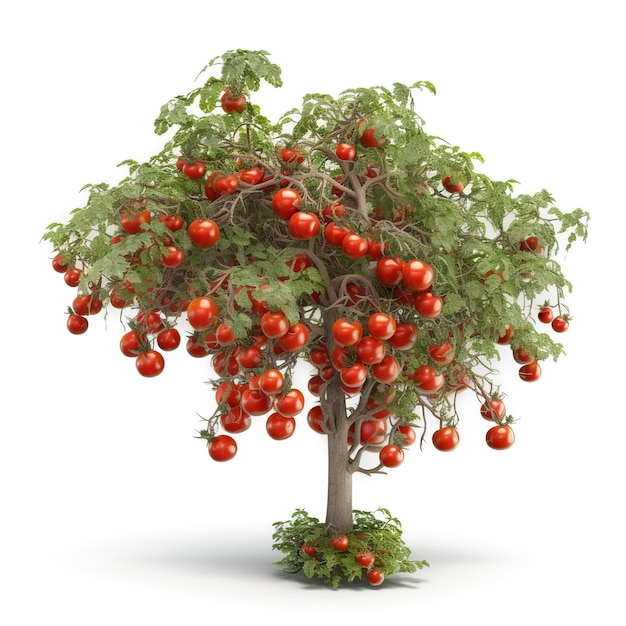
{"x": 364, "y": 557}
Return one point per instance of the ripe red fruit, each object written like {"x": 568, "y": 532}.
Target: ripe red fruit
{"x": 545, "y": 314}
{"x": 77, "y": 324}
{"x": 493, "y": 410}
{"x": 391, "y": 456}
{"x": 452, "y": 186}
{"x": 369, "y": 140}
{"x": 203, "y": 232}
{"x": 59, "y": 264}
{"x": 530, "y": 372}
{"x": 365, "y": 559}
{"x": 303, "y": 225}
{"x": 233, "y": 103}
{"x": 222, "y": 448}
{"x": 345, "y": 152}
{"x": 559, "y": 324}
{"x": 500, "y": 437}
{"x": 417, "y": 275}
{"x": 340, "y": 543}
{"x": 446, "y": 438}
{"x": 201, "y": 312}
{"x": 375, "y": 577}
{"x": 286, "y": 202}
{"x": 346, "y": 333}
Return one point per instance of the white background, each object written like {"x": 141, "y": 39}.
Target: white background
{"x": 112, "y": 513}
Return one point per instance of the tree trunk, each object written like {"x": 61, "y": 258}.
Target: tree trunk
{"x": 339, "y": 518}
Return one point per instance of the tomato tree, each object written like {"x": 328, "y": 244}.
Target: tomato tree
{"x": 343, "y": 237}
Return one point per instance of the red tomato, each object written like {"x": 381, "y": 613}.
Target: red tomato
{"x": 417, "y": 275}
{"x": 336, "y": 209}
{"x": 375, "y": 577}
{"x": 59, "y": 264}
{"x": 387, "y": 371}
{"x": 370, "y": 350}
{"x": 173, "y": 222}
{"x": 452, "y": 186}
{"x": 250, "y": 358}
{"x": 391, "y": 455}
{"x": 271, "y": 381}
{"x": 446, "y": 438}
{"x": 232, "y": 103}
{"x": 353, "y": 375}
{"x": 289, "y": 404}
{"x": 117, "y": 302}
{"x": 274, "y": 324}
{"x": 252, "y": 176}
{"x": 560, "y": 324}
{"x": 201, "y": 312}
{"x": 195, "y": 347}
{"x": 345, "y": 152}
{"x": 369, "y": 140}
{"x": 194, "y": 170}
{"x": 409, "y": 436}
{"x": 149, "y": 321}
{"x": 405, "y": 336}
{"x": 427, "y": 380}
{"x": 236, "y": 420}
{"x": 279, "y": 426}
{"x": 354, "y": 246}
{"x": 500, "y": 437}
{"x": 314, "y": 384}
{"x": 522, "y": 356}
{"x": 346, "y": 333}
{"x": 506, "y": 337}
{"x": 229, "y": 392}
{"x": 222, "y": 448}
{"x": 340, "y": 543}
{"x": 132, "y": 222}
{"x": 168, "y": 339}
{"x": 286, "y": 202}
{"x": 304, "y": 225}
{"x": 372, "y": 432}
{"x": 295, "y": 338}
{"x": 173, "y": 258}
{"x": 255, "y": 402}
{"x": 130, "y": 342}
{"x": 226, "y": 185}
{"x": 530, "y": 244}
{"x": 493, "y": 410}
{"x": 224, "y": 334}
{"x": 308, "y": 549}
{"x": 72, "y": 276}
{"x": 381, "y": 325}
{"x": 374, "y": 250}
{"x": 428, "y": 305}
{"x": 203, "y": 232}
{"x": 335, "y": 234}
{"x": 319, "y": 356}
{"x": 150, "y": 363}
{"x": 443, "y": 353}
{"x": 545, "y": 314}
{"x": 315, "y": 419}
{"x": 365, "y": 559}
{"x": 291, "y": 155}
{"x": 389, "y": 270}
{"x": 530, "y": 372}
{"x": 77, "y": 324}
{"x": 88, "y": 304}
